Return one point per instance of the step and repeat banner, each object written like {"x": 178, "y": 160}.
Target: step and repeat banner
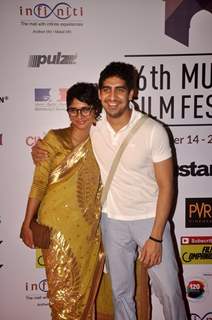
{"x": 46, "y": 46}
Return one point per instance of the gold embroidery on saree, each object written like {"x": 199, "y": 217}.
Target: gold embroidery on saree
{"x": 67, "y": 164}
{"x": 63, "y": 273}
{"x": 88, "y": 194}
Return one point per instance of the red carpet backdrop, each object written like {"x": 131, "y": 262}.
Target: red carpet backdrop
{"x": 46, "y": 46}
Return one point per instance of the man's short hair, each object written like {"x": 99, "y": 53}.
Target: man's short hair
{"x": 124, "y": 71}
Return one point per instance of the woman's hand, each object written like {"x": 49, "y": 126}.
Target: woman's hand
{"x": 27, "y": 236}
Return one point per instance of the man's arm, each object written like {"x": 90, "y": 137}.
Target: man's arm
{"x": 151, "y": 253}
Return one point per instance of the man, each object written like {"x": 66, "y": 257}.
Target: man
{"x": 137, "y": 207}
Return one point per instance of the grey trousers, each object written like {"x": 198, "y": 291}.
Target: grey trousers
{"x": 120, "y": 239}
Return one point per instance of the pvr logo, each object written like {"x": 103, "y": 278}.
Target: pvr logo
{"x": 198, "y": 212}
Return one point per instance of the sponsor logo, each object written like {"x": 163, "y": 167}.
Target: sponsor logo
{"x": 35, "y": 61}
{"x": 61, "y": 11}
{"x": 196, "y": 289}
{"x": 3, "y": 99}
{"x": 195, "y": 170}
{"x": 1, "y": 139}
{"x": 39, "y": 258}
{"x": 207, "y": 316}
{"x": 61, "y": 18}
{"x": 37, "y": 292}
{"x": 196, "y": 250}
{"x": 31, "y": 140}
{"x": 178, "y": 17}
{"x": 50, "y": 99}
{"x": 37, "y": 286}
{"x": 198, "y": 212}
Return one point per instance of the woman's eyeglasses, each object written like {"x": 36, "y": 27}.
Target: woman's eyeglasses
{"x": 84, "y": 111}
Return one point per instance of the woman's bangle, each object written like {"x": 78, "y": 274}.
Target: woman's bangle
{"x": 156, "y": 240}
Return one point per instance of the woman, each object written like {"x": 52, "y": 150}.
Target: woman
{"x": 66, "y": 188}
{"x": 65, "y": 192}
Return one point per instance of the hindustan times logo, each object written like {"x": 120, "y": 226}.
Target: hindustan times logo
{"x": 61, "y": 11}
{"x": 35, "y": 61}
{"x": 198, "y": 212}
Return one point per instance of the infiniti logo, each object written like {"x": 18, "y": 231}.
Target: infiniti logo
{"x": 36, "y": 60}
{"x": 43, "y": 286}
{"x": 61, "y": 10}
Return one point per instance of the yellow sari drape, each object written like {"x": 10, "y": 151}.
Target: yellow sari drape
{"x": 70, "y": 206}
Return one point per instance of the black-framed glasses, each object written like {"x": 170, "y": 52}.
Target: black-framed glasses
{"x": 84, "y": 111}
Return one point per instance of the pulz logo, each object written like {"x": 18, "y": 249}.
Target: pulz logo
{"x": 178, "y": 17}
{"x": 36, "y": 60}
{"x": 198, "y": 212}
{"x": 194, "y": 170}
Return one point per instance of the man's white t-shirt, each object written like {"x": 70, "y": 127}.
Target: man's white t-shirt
{"x": 133, "y": 192}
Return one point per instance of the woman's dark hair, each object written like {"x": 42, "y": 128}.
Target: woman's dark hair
{"x": 124, "y": 71}
{"x": 85, "y": 92}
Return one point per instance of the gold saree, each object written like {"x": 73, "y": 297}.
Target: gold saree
{"x": 69, "y": 185}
